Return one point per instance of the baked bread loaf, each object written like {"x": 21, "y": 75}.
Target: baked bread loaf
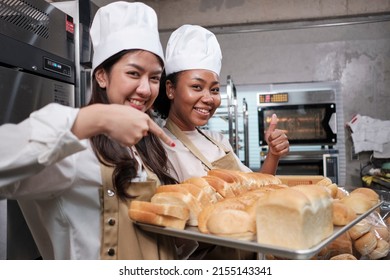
{"x": 369, "y": 193}
{"x": 359, "y": 202}
{"x": 344, "y": 257}
{"x": 172, "y": 216}
{"x": 341, "y": 245}
{"x": 176, "y": 211}
{"x": 297, "y": 217}
{"x": 381, "y": 232}
{"x": 204, "y": 184}
{"x": 180, "y": 199}
{"x": 197, "y": 192}
{"x": 381, "y": 250}
{"x": 342, "y": 214}
{"x": 233, "y": 223}
{"x": 359, "y": 229}
{"x": 366, "y": 243}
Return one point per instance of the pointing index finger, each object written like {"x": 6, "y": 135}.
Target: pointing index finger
{"x": 156, "y": 130}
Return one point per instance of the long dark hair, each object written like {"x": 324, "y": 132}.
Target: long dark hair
{"x": 162, "y": 104}
{"x": 111, "y": 153}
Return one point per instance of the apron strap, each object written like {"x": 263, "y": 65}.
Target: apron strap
{"x": 175, "y": 130}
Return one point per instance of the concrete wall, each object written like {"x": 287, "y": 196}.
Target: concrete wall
{"x": 173, "y": 13}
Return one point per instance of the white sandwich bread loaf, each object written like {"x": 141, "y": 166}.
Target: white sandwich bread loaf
{"x": 298, "y": 217}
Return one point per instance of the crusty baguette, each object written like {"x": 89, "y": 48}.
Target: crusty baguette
{"x": 156, "y": 219}
{"x": 176, "y": 211}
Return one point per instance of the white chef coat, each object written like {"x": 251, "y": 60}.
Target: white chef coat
{"x": 183, "y": 164}
{"x": 61, "y": 203}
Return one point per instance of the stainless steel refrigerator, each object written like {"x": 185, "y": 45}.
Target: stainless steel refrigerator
{"x": 37, "y": 67}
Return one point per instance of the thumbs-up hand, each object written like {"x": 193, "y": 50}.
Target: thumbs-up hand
{"x": 277, "y": 140}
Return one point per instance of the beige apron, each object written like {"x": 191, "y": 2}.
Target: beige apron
{"x": 121, "y": 239}
{"x": 229, "y": 162}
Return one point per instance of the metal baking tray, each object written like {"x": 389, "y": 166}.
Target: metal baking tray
{"x": 194, "y": 234}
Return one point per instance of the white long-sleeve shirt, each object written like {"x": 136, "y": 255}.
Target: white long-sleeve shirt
{"x": 61, "y": 202}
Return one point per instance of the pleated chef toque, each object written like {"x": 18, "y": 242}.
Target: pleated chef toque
{"x": 192, "y": 47}
{"x": 122, "y": 26}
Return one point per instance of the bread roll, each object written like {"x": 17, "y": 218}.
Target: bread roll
{"x": 359, "y": 202}
{"x": 371, "y": 194}
{"x": 156, "y": 219}
{"x": 261, "y": 179}
{"x": 229, "y": 203}
{"x": 294, "y": 180}
{"x": 295, "y": 218}
{"x": 359, "y": 229}
{"x": 366, "y": 243}
{"x": 381, "y": 250}
{"x": 341, "y": 193}
{"x": 381, "y": 232}
{"x": 387, "y": 221}
{"x": 231, "y": 223}
{"x": 344, "y": 257}
{"x": 341, "y": 245}
{"x": 342, "y": 214}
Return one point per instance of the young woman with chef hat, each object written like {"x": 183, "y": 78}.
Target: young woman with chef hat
{"x": 189, "y": 98}
{"x": 77, "y": 203}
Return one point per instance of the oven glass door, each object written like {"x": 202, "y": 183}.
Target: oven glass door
{"x": 303, "y": 124}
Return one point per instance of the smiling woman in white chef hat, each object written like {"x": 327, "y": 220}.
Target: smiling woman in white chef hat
{"x": 189, "y": 98}
{"x": 77, "y": 203}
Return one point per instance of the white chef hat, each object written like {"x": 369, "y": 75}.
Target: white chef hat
{"x": 122, "y": 26}
{"x": 192, "y": 47}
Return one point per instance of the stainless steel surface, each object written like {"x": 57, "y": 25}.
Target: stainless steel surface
{"x": 36, "y": 23}
{"x": 194, "y": 234}
{"x": 246, "y": 131}
{"x": 21, "y": 93}
{"x": 36, "y": 68}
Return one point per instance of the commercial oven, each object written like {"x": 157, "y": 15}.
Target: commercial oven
{"x": 37, "y": 67}
{"x": 309, "y": 118}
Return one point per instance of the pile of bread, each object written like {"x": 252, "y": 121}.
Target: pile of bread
{"x": 369, "y": 238}
{"x": 252, "y": 206}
